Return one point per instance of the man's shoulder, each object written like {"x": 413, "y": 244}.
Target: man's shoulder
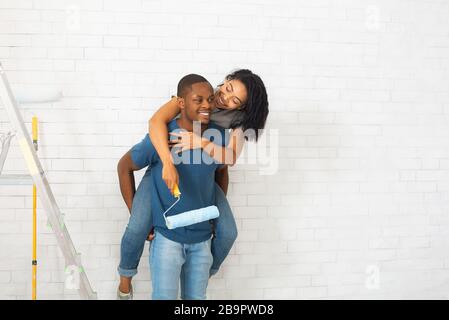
{"x": 212, "y": 124}
{"x": 145, "y": 142}
{"x": 172, "y": 125}
{"x": 142, "y": 152}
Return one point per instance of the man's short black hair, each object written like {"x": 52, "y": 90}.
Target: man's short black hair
{"x": 185, "y": 84}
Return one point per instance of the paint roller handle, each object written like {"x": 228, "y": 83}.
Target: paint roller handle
{"x": 34, "y": 132}
{"x": 176, "y": 193}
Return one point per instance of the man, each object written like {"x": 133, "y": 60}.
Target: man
{"x": 182, "y": 253}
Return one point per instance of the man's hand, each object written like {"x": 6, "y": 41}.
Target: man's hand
{"x": 170, "y": 175}
{"x": 151, "y": 235}
{"x": 125, "y": 170}
{"x": 222, "y": 178}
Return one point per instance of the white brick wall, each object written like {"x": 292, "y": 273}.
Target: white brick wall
{"x": 358, "y": 91}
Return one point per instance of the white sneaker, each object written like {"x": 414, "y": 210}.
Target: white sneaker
{"x": 125, "y": 296}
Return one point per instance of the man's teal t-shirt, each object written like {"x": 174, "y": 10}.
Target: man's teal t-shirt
{"x": 196, "y": 171}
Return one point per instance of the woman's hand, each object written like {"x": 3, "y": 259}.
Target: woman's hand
{"x": 186, "y": 141}
{"x": 170, "y": 175}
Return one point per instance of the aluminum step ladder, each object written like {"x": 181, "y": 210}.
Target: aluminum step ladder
{"x": 38, "y": 177}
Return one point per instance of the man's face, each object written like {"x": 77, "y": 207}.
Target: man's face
{"x": 198, "y": 103}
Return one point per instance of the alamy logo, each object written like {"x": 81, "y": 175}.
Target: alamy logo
{"x": 372, "y": 17}
{"x": 372, "y": 281}
{"x": 72, "y": 22}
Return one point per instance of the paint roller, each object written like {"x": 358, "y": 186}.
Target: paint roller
{"x": 188, "y": 218}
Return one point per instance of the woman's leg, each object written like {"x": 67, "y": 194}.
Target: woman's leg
{"x": 137, "y": 231}
{"x": 225, "y": 231}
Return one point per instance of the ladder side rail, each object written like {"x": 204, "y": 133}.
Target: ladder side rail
{"x": 6, "y": 140}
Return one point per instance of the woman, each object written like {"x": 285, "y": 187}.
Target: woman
{"x": 241, "y": 104}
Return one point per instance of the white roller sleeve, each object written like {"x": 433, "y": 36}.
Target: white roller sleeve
{"x": 191, "y": 217}
{"x": 37, "y": 94}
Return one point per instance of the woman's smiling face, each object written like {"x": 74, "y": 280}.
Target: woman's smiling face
{"x": 231, "y": 95}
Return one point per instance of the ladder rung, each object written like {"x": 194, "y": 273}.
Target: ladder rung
{"x": 15, "y": 179}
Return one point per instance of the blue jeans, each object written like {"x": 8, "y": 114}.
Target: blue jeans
{"x": 171, "y": 262}
{"x": 140, "y": 225}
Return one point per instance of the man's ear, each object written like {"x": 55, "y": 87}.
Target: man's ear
{"x": 181, "y": 103}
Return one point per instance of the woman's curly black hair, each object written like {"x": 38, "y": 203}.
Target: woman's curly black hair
{"x": 255, "y": 110}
